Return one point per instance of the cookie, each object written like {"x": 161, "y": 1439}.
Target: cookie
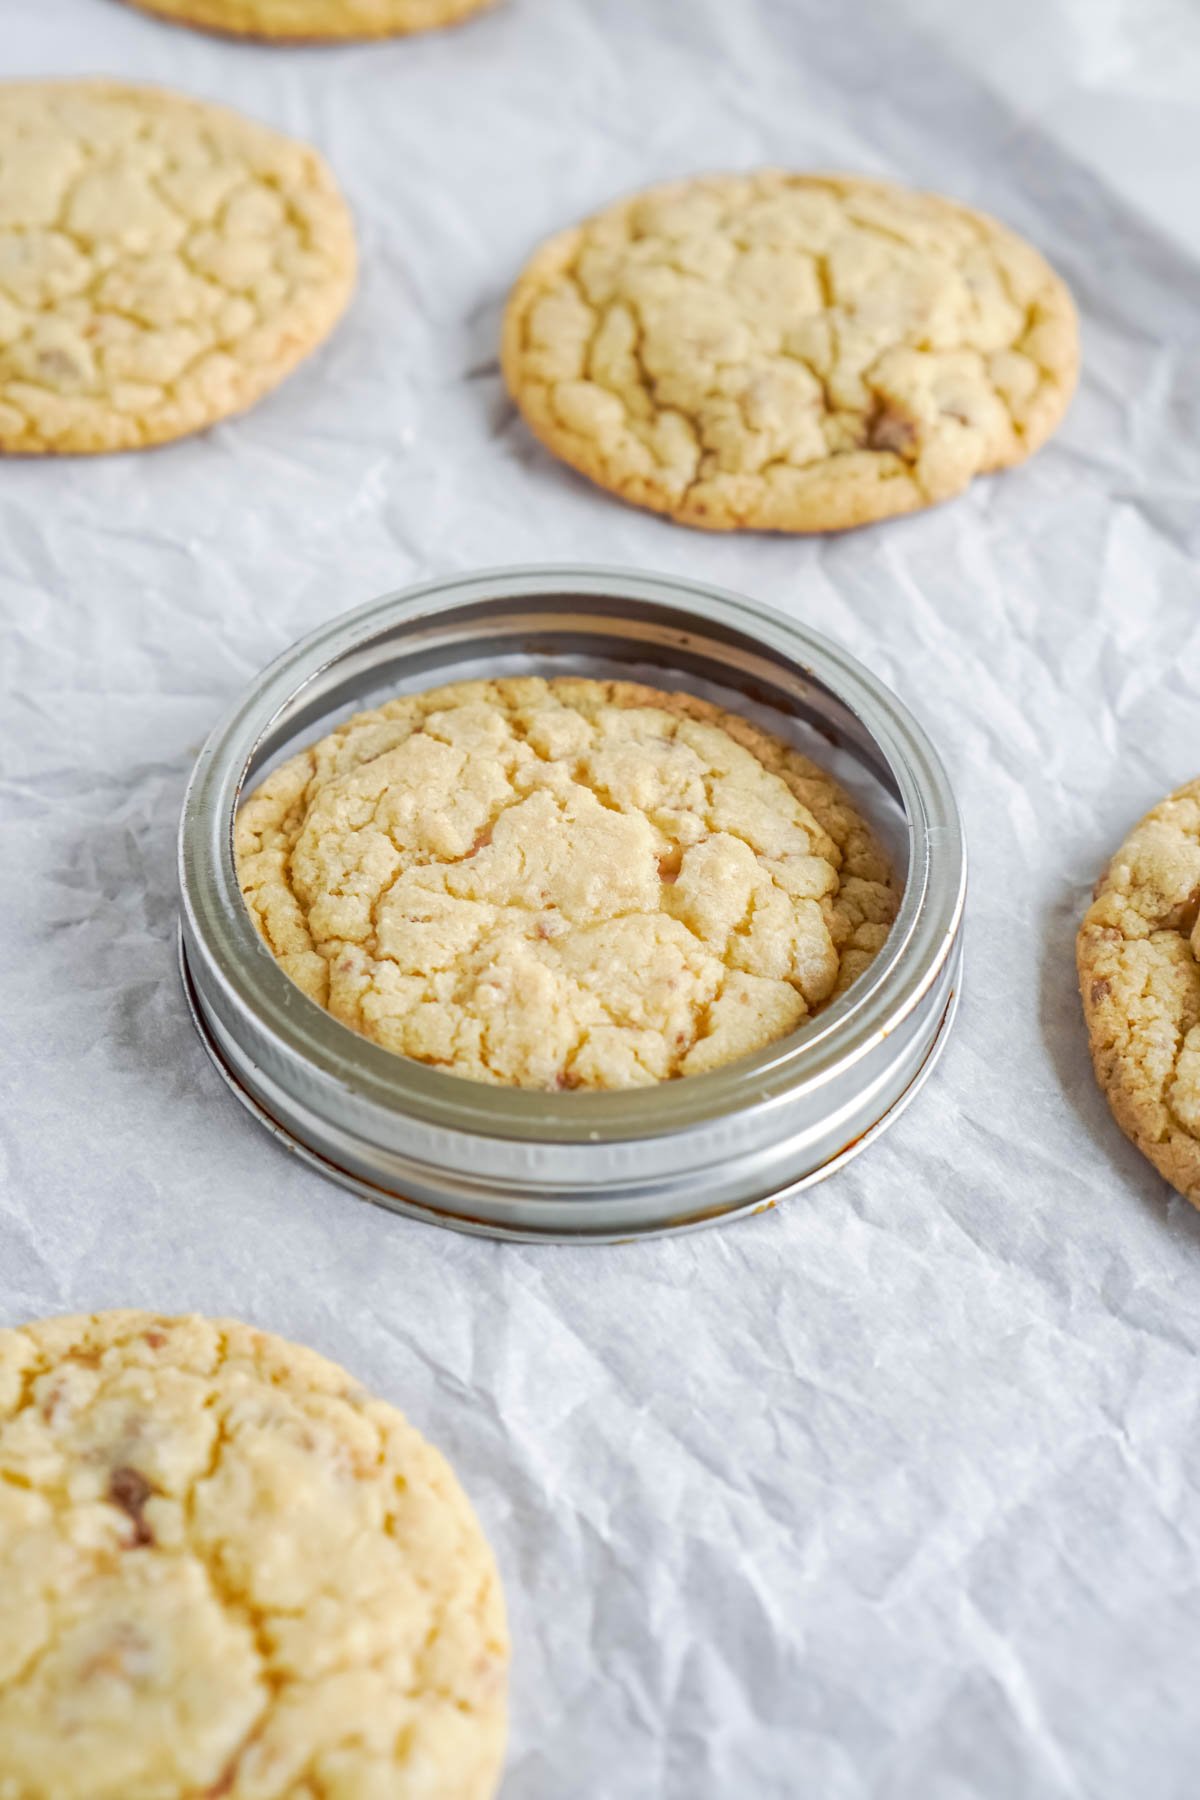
{"x": 1138, "y": 954}
{"x": 307, "y": 21}
{"x": 789, "y": 352}
{"x": 228, "y": 1571}
{"x": 163, "y": 263}
{"x": 565, "y": 884}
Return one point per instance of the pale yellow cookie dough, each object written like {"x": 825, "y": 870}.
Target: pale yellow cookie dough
{"x": 1138, "y": 954}
{"x": 307, "y": 21}
{"x": 227, "y": 1571}
{"x": 163, "y": 263}
{"x": 562, "y": 884}
{"x": 789, "y": 352}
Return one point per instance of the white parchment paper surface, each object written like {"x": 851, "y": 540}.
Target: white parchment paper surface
{"x": 894, "y": 1491}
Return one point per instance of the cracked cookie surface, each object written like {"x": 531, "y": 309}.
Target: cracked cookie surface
{"x": 572, "y": 883}
{"x": 163, "y": 263}
{"x": 229, "y": 1572}
{"x": 308, "y": 20}
{"x": 789, "y": 352}
{"x": 1138, "y": 954}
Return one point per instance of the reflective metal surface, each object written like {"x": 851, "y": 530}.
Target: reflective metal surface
{"x": 573, "y": 1165}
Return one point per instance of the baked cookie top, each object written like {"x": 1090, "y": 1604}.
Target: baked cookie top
{"x": 163, "y": 263}
{"x": 1138, "y": 954}
{"x": 789, "y": 352}
{"x": 228, "y": 1571}
{"x": 307, "y": 20}
{"x": 571, "y": 883}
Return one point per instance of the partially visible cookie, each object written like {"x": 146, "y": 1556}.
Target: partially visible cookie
{"x": 227, "y": 1571}
{"x": 562, "y": 884}
{"x": 307, "y": 21}
{"x": 1138, "y": 954}
{"x": 163, "y": 263}
{"x": 789, "y": 352}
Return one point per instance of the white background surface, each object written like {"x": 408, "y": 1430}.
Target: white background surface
{"x": 895, "y": 1491}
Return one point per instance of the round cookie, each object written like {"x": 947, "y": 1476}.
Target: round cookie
{"x": 163, "y": 263}
{"x": 308, "y": 21}
{"x": 789, "y": 352}
{"x": 228, "y": 1571}
{"x": 1138, "y": 954}
{"x": 562, "y": 884}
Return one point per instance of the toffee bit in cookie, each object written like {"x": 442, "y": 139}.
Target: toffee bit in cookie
{"x": 889, "y": 430}
{"x": 130, "y": 1491}
{"x": 562, "y": 884}
{"x": 789, "y": 352}
{"x": 223, "y": 1786}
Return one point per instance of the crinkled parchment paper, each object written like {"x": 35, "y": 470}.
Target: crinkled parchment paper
{"x": 895, "y": 1490}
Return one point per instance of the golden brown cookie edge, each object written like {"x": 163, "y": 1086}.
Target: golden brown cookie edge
{"x": 456, "y": 12}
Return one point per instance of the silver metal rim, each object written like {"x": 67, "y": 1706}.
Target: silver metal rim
{"x": 352, "y": 1103}
{"x": 397, "y": 1203}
